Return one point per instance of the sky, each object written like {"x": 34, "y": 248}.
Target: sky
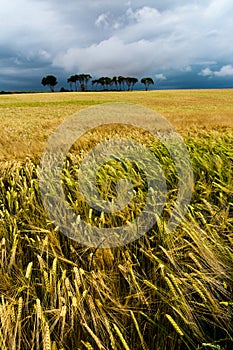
{"x": 180, "y": 44}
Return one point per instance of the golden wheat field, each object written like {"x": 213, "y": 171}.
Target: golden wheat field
{"x": 28, "y": 119}
{"x": 167, "y": 290}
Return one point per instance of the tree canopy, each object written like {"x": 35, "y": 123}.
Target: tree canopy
{"x": 49, "y": 80}
{"x": 147, "y": 82}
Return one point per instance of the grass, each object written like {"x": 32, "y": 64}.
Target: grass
{"x": 165, "y": 291}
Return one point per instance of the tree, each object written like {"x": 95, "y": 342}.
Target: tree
{"x": 121, "y": 81}
{"x": 71, "y": 80}
{"x": 114, "y": 81}
{"x": 83, "y": 81}
{"x": 49, "y": 80}
{"x": 105, "y": 82}
{"x": 87, "y": 77}
{"x": 147, "y": 82}
{"x": 101, "y": 81}
{"x": 133, "y": 82}
{"x": 95, "y": 82}
{"x": 130, "y": 82}
{"x": 77, "y": 78}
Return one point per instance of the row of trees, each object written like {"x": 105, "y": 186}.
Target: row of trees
{"x": 79, "y": 82}
{"x": 118, "y": 83}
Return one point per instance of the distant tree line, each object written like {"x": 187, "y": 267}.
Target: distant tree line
{"x": 79, "y": 82}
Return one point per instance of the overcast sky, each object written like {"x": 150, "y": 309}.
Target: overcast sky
{"x": 180, "y": 44}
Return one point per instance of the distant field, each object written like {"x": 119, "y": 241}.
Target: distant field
{"x": 167, "y": 290}
{"x": 28, "y": 119}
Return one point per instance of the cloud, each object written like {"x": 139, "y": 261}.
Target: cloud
{"x": 143, "y": 14}
{"x": 160, "y": 76}
{"x": 206, "y": 72}
{"x": 225, "y": 71}
{"x": 147, "y": 39}
{"x": 128, "y": 37}
{"x": 102, "y": 20}
{"x": 106, "y": 21}
{"x": 106, "y": 58}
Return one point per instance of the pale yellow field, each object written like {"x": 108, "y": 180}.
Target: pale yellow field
{"x": 28, "y": 119}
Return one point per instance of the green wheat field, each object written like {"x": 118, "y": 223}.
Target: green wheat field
{"x": 165, "y": 291}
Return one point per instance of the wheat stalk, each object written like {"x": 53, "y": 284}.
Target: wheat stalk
{"x": 175, "y": 325}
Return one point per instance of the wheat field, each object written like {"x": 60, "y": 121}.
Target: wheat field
{"x": 164, "y": 291}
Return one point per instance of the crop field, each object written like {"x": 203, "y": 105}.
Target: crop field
{"x": 167, "y": 290}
